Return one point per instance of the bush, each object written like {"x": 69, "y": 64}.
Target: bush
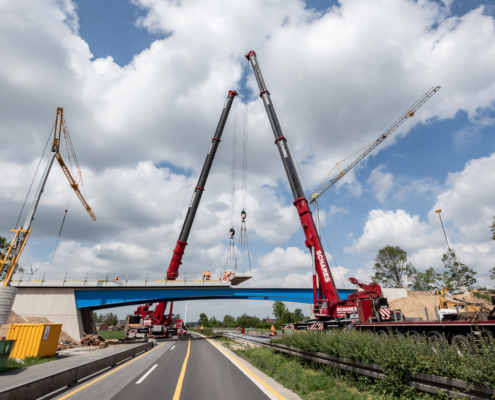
{"x": 483, "y": 296}
{"x": 402, "y": 355}
{"x": 309, "y": 380}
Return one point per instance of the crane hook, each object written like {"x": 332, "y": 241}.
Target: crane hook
{"x": 232, "y": 233}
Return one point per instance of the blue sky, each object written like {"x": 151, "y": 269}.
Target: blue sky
{"x": 142, "y": 123}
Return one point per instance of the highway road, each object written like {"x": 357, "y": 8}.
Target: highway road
{"x": 185, "y": 369}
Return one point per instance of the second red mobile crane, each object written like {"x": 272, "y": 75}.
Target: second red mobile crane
{"x": 327, "y": 303}
{"x": 159, "y": 322}
{"x": 366, "y": 309}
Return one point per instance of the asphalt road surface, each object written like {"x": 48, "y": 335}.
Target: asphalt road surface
{"x": 186, "y": 369}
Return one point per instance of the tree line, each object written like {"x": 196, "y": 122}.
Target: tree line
{"x": 280, "y": 311}
{"x": 109, "y": 318}
{"x": 392, "y": 269}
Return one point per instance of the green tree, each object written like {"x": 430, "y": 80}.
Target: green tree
{"x": 460, "y": 273}
{"x": 492, "y": 274}
{"x": 390, "y": 266}
{"x": 4, "y": 247}
{"x": 202, "y": 316}
{"x": 228, "y": 321}
{"x": 177, "y": 316}
{"x": 298, "y": 314}
{"x": 204, "y": 320}
{"x": 492, "y": 228}
{"x": 109, "y": 319}
{"x": 422, "y": 281}
{"x": 279, "y": 309}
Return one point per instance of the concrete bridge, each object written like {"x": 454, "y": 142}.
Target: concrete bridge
{"x": 72, "y": 302}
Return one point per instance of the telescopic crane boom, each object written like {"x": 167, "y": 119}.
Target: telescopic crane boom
{"x": 409, "y": 113}
{"x": 21, "y": 235}
{"x": 157, "y": 315}
{"x": 313, "y": 242}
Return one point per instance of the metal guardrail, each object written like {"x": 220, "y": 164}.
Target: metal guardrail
{"x": 423, "y": 382}
{"x": 41, "y": 387}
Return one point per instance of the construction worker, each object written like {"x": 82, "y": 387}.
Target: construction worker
{"x": 116, "y": 278}
{"x": 224, "y": 276}
{"x": 228, "y": 276}
{"x": 243, "y": 331}
{"x": 208, "y": 275}
{"x": 202, "y": 327}
{"x": 204, "y": 275}
{"x": 272, "y": 331}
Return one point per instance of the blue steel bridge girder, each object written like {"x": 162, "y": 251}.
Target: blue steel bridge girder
{"x": 109, "y": 298}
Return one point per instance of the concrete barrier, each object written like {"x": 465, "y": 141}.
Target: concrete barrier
{"x": 41, "y": 386}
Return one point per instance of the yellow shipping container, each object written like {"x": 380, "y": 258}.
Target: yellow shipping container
{"x": 34, "y": 340}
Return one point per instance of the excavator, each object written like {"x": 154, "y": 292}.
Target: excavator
{"x": 157, "y": 322}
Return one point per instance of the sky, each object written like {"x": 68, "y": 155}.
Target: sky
{"x": 143, "y": 84}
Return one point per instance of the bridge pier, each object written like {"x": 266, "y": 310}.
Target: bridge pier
{"x": 58, "y": 305}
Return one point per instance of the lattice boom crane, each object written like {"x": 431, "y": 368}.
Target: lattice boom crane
{"x": 409, "y": 113}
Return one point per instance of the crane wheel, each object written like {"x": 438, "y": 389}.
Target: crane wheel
{"x": 463, "y": 345}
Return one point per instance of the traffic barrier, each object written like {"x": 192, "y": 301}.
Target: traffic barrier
{"x": 422, "y": 382}
{"x": 41, "y": 387}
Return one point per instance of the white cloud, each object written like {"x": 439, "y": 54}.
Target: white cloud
{"x": 467, "y": 201}
{"x": 338, "y": 79}
{"x": 381, "y": 183}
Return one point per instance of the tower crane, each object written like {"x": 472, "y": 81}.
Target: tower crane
{"x": 409, "y": 113}
{"x": 14, "y": 252}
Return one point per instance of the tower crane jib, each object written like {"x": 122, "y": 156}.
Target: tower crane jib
{"x": 409, "y": 113}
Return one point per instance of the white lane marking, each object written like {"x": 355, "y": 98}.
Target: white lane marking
{"x": 260, "y": 386}
{"x": 172, "y": 347}
{"x": 146, "y": 374}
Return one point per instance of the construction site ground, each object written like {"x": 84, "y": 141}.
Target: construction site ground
{"x": 413, "y": 306}
{"x": 16, "y": 319}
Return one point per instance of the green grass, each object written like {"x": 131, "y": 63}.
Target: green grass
{"x": 309, "y": 380}
{"x": 113, "y": 334}
{"x": 28, "y": 362}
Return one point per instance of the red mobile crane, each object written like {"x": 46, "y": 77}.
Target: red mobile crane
{"x": 372, "y": 308}
{"x": 327, "y": 303}
{"x": 161, "y": 324}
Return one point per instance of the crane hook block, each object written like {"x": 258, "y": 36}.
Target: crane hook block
{"x": 243, "y": 215}
{"x": 438, "y": 211}
{"x": 232, "y": 233}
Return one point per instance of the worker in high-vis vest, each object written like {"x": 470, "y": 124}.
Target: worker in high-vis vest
{"x": 272, "y": 331}
{"x": 204, "y": 274}
{"x": 228, "y": 276}
{"x": 224, "y": 276}
{"x": 243, "y": 331}
{"x": 208, "y": 275}
{"x": 202, "y": 328}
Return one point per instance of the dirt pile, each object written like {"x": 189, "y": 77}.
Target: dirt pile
{"x": 414, "y": 306}
{"x": 17, "y": 319}
{"x": 474, "y": 300}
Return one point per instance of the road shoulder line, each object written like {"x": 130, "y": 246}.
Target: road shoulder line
{"x": 254, "y": 375}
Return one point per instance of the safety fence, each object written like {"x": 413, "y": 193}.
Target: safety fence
{"x": 422, "y": 382}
